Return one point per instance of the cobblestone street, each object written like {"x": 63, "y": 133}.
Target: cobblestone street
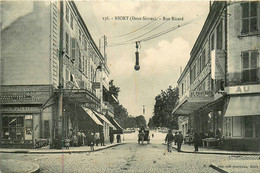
{"x": 130, "y": 157}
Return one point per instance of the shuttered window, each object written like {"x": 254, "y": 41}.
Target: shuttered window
{"x": 249, "y": 66}
{"x": 249, "y": 17}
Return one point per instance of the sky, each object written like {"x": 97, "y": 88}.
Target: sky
{"x": 160, "y": 58}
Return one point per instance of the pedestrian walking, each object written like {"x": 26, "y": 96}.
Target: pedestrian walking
{"x": 79, "y": 138}
{"x": 111, "y": 137}
{"x": 179, "y": 141}
{"x": 168, "y": 140}
{"x": 92, "y": 141}
{"x": 70, "y": 136}
{"x": 83, "y": 138}
{"x": 196, "y": 141}
{"x": 118, "y": 138}
{"x": 75, "y": 140}
{"x": 102, "y": 139}
{"x": 88, "y": 135}
{"x": 97, "y": 138}
{"x": 175, "y": 138}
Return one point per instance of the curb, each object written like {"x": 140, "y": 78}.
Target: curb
{"x": 20, "y": 166}
{"x": 61, "y": 152}
{"x": 199, "y": 152}
{"x": 37, "y": 170}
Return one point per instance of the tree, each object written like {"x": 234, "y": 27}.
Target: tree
{"x": 164, "y": 105}
{"x": 121, "y": 114}
{"x": 130, "y": 122}
{"x": 150, "y": 123}
{"x": 113, "y": 89}
{"x": 140, "y": 121}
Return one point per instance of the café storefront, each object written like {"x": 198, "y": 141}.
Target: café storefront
{"x": 204, "y": 112}
{"x": 241, "y": 121}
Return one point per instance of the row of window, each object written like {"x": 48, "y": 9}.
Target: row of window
{"x": 201, "y": 61}
{"x": 249, "y": 59}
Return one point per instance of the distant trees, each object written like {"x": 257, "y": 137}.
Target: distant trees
{"x": 121, "y": 114}
{"x": 140, "y": 121}
{"x": 165, "y": 102}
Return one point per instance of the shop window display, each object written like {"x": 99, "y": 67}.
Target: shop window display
{"x": 14, "y": 127}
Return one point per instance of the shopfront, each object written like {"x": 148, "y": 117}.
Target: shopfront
{"x": 17, "y": 130}
{"x": 242, "y": 122}
{"x": 23, "y": 118}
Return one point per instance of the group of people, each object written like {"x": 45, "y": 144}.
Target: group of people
{"x": 81, "y": 138}
{"x": 177, "y": 138}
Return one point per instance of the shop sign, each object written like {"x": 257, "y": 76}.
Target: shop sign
{"x": 243, "y": 89}
{"x": 96, "y": 85}
{"x": 17, "y": 109}
{"x": 78, "y": 95}
{"x": 24, "y": 94}
{"x": 201, "y": 93}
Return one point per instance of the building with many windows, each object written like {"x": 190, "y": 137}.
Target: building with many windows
{"x": 34, "y": 67}
{"x": 220, "y": 86}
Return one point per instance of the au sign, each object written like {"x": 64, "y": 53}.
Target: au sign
{"x": 244, "y": 89}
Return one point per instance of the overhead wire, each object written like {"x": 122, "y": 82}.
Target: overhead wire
{"x": 94, "y": 18}
{"x": 158, "y": 34}
{"x": 171, "y": 29}
{"x": 146, "y": 32}
{"x": 144, "y": 26}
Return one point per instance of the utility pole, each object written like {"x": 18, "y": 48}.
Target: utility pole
{"x": 60, "y": 96}
{"x": 101, "y": 87}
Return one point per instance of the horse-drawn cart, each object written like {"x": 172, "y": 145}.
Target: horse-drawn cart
{"x": 143, "y": 136}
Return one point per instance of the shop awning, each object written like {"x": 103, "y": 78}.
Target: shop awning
{"x": 190, "y": 104}
{"x": 92, "y": 116}
{"x": 243, "y": 106}
{"x": 115, "y": 123}
{"x": 104, "y": 119}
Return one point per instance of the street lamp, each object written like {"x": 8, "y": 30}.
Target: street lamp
{"x": 137, "y": 66}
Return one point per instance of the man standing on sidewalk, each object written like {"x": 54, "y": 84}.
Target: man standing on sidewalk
{"x": 196, "y": 141}
{"x": 179, "y": 141}
{"x": 169, "y": 139}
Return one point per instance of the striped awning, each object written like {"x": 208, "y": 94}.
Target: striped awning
{"x": 92, "y": 116}
{"x": 102, "y": 117}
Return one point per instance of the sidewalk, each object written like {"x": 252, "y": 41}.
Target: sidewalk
{"x": 81, "y": 149}
{"x": 238, "y": 165}
{"x": 15, "y": 166}
{"x": 185, "y": 148}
